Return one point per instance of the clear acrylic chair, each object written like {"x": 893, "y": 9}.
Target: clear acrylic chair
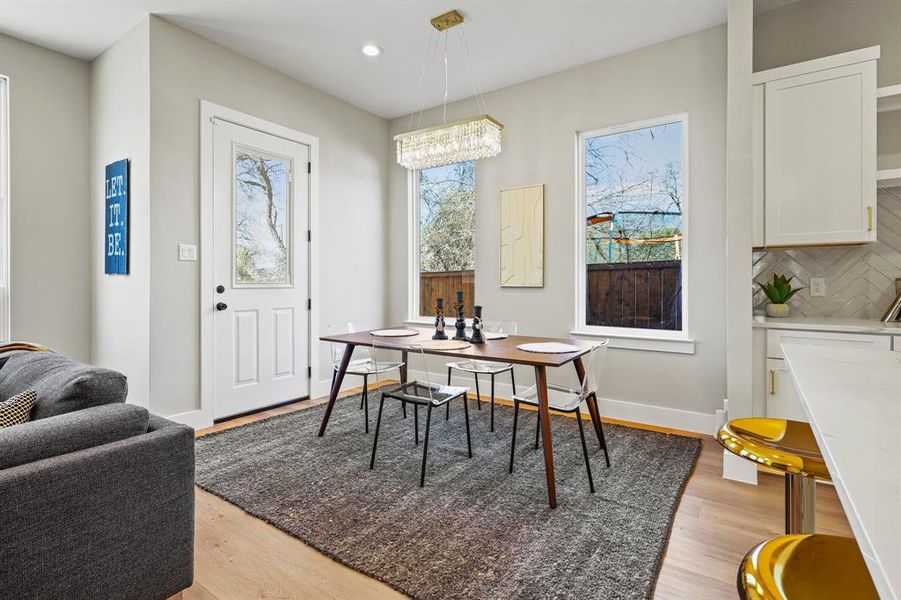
{"x": 484, "y": 367}
{"x": 363, "y": 363}
{"x": 566, "y": 400}
{"x": 419, "y": 393}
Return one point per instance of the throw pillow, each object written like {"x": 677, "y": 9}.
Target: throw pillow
{"x": 17, "y": 409}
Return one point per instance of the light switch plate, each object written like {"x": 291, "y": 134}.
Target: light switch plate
{"x": 817, "y": 286}
{"x": 187, "y": 252}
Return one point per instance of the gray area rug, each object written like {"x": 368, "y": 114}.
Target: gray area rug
{"x": 473, "y": 531}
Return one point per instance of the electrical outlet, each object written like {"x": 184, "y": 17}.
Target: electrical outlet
{"x": 817, "y": 286}
{"x": 187, "y": 252}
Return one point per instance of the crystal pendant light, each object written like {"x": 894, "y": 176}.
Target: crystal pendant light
{"x": 468, "y": 139}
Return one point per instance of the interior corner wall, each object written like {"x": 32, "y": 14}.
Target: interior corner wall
{"x": 815, "y": 28}
{"x": 541, "y": 119}
{"x": 120, "y": 128}
{"x": 353, "y": 167}
{"x": 49, "y": 196}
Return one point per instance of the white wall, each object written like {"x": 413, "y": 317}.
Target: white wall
{"x": 120, "y": 128}
{"x": 541, "y": 118}
{"x": 50, "y": 181}
{"x": 185, "y": 68}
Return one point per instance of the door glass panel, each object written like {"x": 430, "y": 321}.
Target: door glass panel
{"x": 262, "y": 206}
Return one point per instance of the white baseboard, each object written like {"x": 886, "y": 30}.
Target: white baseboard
{"x": 193, "y": 418}
{"x": 645, "y": 414}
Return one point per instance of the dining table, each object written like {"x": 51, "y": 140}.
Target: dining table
{"x": 505, "y": 350}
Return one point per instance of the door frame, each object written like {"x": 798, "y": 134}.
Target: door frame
{"x": 209, "y": 113}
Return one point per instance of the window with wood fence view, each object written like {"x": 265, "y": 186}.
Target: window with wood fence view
{"x": 446, "y": 236}
{"x": 633, "y": 228}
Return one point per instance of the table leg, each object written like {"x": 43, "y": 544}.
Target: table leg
{"x": 545, "y": 417}
{"x": 333, "y": 394}
{"x": 592, "y": 402}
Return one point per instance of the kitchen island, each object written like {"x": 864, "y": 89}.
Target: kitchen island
{"x": 852, "y": 398}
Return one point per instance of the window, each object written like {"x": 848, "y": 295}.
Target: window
{"x": 4, "y": 210}
{"x": 631, "y": 229}
{"x": 262, "y": 244}
{"x": 443, "y": 208}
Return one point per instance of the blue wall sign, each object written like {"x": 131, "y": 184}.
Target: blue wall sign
{"x": 116, "y": 239}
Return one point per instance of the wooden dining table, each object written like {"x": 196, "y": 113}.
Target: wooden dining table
{"x": 499, "y": 350}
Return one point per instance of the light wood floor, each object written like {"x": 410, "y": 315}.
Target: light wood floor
{"x": 238, "y": 556}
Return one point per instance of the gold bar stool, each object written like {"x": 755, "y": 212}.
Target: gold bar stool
{"x": 787, "y": 446}
{"x": 790, "y": 567}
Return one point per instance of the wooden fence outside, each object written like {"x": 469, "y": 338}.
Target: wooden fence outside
{"x": 645, "y": 295}
{"x": 444, "y": 284}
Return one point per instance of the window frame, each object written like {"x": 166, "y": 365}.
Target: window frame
{"x": 678, "y": 341}
{"x": 5, "y": 296}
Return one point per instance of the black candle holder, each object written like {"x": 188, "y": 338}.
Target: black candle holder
{"x": 439, "y": 320}
{"x": 476, "y": 337}
{"x": 460, "y": 325}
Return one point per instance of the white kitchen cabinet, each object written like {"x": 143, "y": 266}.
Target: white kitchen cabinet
{"x": 775, "y": 389}
{"x": 782, "y": 401}
{"x": 814, "y": 149}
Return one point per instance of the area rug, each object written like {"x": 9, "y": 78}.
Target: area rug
{"x": 473, "y": 531}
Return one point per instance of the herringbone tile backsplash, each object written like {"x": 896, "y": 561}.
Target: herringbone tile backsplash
{"x": 860, "y": 280}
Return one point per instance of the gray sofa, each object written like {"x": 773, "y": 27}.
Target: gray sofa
{"x": 96, "y": 496}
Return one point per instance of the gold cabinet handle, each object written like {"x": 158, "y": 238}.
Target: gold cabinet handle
{"x": 772, "y": 382}
{"x": 869, "y": 218}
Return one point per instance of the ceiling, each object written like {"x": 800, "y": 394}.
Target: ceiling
{"x": 319, "y": 41}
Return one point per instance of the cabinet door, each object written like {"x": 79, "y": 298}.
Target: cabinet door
{"x": 820, "y": 157}
{"x": 782, "y": 400}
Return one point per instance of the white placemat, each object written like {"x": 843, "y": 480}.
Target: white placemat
{"x": 393, "y": 332}
{"x": 549, "y": 348}
{"x": 444, "y": 344}
{"x": 489, "y": 335}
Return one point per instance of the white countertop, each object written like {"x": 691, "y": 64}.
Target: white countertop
{"x": 852, "y": 397}
{"x": 827, "y": 324}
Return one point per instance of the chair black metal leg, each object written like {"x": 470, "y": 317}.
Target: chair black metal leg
{"x": 492, "y": 402}
{"x": 334, "y": 375}
{"x": 416, "y": 422}
{"x": 466, "y": 416}
{"x": 375, "y": 439}
{"x": 365, "y": 387}
{"x": 478, "y": 395}
{"x": 513, "y": 381}
{"x": 404, "y": 404}
{"x": 600, "y": 431}
{"x": 366, "y": 407}
{"x": 513, "y": 441}
{"x": 585, "y": 450}
{"x": 537, "y": 428}
{"x": 425, "y": 445}
{"x": 447, "y": 409}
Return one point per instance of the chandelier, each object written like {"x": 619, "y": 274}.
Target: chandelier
{"x": 468, "y": 139}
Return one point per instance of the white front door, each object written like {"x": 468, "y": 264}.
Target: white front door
{"x": 260, "y": 266}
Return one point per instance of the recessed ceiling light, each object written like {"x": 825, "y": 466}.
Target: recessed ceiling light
{"x": 371, "y": 50}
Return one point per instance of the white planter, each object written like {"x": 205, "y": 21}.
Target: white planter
{"x": 777, "y": 310}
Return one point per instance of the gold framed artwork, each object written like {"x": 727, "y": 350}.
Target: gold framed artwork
{"x": 522, "y": 236}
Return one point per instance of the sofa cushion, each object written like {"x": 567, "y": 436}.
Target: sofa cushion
{"x": 62, "y": 385}
{"x": 71, "y": 432}
{"x": 17, "y": 410}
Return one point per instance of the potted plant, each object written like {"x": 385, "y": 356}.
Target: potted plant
{"x": 778, "y": 292}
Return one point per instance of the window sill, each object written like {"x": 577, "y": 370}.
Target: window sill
{"x": 430, "y": 322}
{"x": 646, "y": 342}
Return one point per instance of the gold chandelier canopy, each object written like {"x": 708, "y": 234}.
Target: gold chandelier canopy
{"x": 467, "y": 139}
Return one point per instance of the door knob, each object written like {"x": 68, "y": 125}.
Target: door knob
{"x": 221, "y": 306}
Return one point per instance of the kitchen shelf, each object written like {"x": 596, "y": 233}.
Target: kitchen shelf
{"x": 888, "y": 98}
{"x": 888, "y": 178}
